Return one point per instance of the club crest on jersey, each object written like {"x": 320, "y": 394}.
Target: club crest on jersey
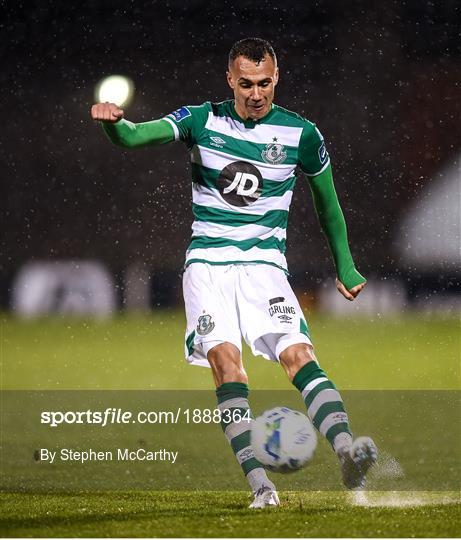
{"x": 180, "y": 114}
{"x": 205, "y": 325}
{"x": 274, "y": 152}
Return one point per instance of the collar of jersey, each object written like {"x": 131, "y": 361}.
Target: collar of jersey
{"x": 249, "y": 123}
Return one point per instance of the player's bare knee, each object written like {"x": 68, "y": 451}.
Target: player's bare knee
{"x": 294, "y": 357}
{"x": 226, "y": 363}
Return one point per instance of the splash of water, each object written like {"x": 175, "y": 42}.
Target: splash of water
{"x": 400, "y": 499}
{"x": 387, "y": 466}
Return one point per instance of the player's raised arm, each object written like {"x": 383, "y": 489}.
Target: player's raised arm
{"x": 128, "y": 134}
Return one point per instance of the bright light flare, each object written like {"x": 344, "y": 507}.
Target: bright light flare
{"x": 115, "y": 89}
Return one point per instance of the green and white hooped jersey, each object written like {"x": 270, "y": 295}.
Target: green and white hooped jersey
{"x": 243, "y": 176}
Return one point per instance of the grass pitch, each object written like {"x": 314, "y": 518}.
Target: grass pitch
{"x": 146, "y": 353}
{"x": 226, "y": 514}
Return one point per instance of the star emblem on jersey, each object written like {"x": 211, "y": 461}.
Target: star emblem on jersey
{"x": 240, "y": 183}
{"x": 205, "y": 325}
{"x": 274, "y": 152}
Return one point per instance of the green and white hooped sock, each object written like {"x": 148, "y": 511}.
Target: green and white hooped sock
{"x": 324, "y": 405}
{"x": 234, "y": 396}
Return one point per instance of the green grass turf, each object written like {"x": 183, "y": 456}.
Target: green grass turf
{"x": 192, "y": 514}
{"x": 147, "y": 353}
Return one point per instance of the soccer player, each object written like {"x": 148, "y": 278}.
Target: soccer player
{"x": 244, "y": 153}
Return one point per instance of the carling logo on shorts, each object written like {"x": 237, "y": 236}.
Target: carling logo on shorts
{"x": 180, "y": 114}
{"x": 282, "y": 310}
{"x": 205, "y": 325}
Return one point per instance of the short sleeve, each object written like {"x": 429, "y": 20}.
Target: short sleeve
{"x": 312, "y": 153}
{"x": 188, "y": 121}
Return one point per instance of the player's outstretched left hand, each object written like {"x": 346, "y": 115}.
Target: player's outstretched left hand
{"x": 349, "y": 294}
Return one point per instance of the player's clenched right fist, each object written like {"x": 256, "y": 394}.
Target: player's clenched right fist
{"x": 106, "y": 112}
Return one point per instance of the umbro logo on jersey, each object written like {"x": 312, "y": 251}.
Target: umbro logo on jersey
{"x": 217, "y": 141}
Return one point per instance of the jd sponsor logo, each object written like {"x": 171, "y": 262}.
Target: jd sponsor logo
{"x": 205, "y": 325}
{"x": 243, "y": 184}
{"x": 240, "y": 183}
{"x": 217, "y": 141}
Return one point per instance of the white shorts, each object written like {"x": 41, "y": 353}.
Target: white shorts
{"x": 226, "y": 302}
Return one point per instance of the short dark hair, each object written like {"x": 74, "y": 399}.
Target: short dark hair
{"x": 254, "y": 49}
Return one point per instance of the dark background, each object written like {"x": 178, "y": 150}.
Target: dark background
{"x": 380, "y": 79}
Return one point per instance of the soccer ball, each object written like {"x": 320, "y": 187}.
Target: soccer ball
{"x": 283, "y": 440}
